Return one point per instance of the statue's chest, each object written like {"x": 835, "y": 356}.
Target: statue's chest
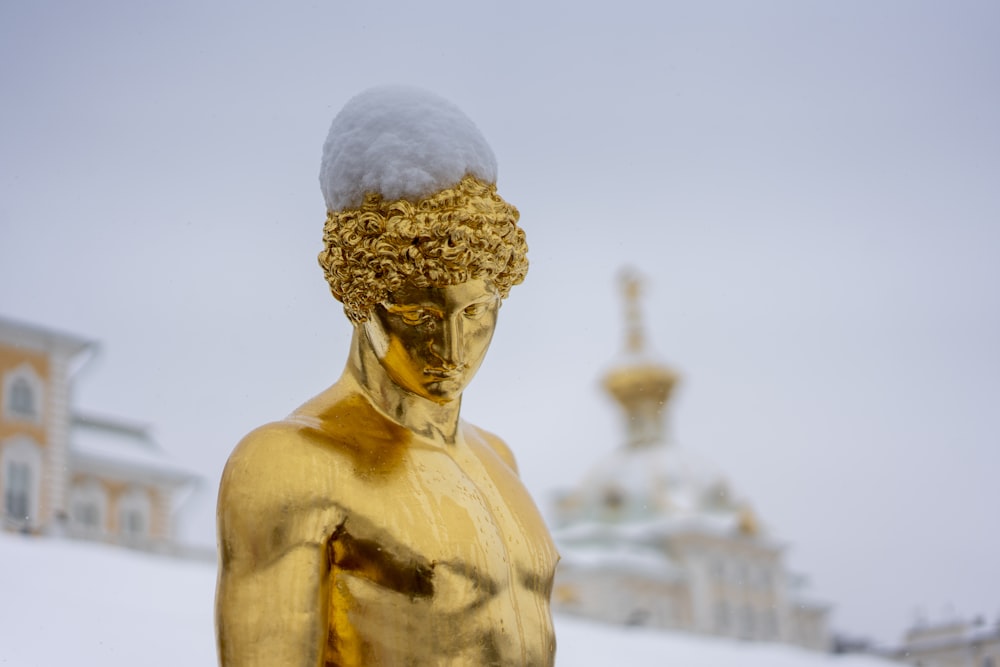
{"x": 446, "y": 550}
{"x": 436, "y": 528}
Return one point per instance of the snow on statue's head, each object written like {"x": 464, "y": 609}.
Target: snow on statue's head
{"x": 410, "y": 190}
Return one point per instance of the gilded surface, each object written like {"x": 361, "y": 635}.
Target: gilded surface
{"x": 373, "y": 526}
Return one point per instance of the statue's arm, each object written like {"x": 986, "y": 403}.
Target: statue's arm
{"x": 271, "y": 600}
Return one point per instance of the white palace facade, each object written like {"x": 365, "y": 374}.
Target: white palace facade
{"x": 67, "y": 473}
{"x": 950, "y": 642}
{"x": 656, "y": 536}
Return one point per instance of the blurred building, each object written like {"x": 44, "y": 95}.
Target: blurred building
{"x": 62, "y": 472}
{"x": 656, "y": 536}
{"x": 950, "y": 643}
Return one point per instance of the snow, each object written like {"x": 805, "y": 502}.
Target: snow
{"x": 588, "y": 643}
{"x": 648, "y": 530}
{"x": 624, "y": 558}
{"x": 401, "y": 142}
{"x": 67, "y": 602}
{"x": 120, "y": 445}
{"x": 661, "y": 479}
{"x": 76, "y": 603}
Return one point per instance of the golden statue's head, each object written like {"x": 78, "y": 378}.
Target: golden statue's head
{"x": 458, "y": 234}
{"x": 411, "y": 202}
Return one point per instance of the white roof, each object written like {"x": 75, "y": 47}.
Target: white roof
{"x": 123, "y": 449}
{"x": 35, "y": 337}
{"x": 618, "y": 558}
{"x": 644, "y": 484}
{"x": 652, "y": 528}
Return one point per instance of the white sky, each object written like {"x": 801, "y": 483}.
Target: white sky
{"x": 810, "y": 188}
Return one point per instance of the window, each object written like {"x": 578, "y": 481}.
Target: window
{"x": 87, "y": 515}
{"x": 614, "y": 499}
{"x": 134, "y": 509}
{"x": 721, "y": 616}
{"x": 637, "y": 617}
{"x": 88, "y": 507}
{"x": 22, "y": 398}
{"x": 22, "y": 394}
{"x": 748, "y": 625}
{"x": 17, "y": 491}
{"x": 134, "y": 523}
{"x": 769, "y": 624}
{"x": 20, "y": 472}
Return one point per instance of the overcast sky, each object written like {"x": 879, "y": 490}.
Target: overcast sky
{"x": 812, "y": 191}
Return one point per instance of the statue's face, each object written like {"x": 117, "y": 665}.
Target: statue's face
{"x": 432, "y": 340}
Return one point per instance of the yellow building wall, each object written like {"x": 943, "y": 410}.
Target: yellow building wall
{"x": 115, "y": 490}
{"x": 159, "y": 518}
{"x": 11, "y": 358}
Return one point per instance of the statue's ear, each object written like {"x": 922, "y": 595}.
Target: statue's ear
{"x": 371, "y": 326}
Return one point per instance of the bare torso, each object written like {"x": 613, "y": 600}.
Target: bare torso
{"x": 405, "y": 550}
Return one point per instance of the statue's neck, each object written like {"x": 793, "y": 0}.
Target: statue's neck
{"x": 434, "y": 421}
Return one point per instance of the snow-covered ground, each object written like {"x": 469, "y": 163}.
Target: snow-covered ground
{"x": 73, "y": 603}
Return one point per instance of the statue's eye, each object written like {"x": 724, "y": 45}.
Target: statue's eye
{"x": 475, "y": 310}
{"x": 415, "y": 317}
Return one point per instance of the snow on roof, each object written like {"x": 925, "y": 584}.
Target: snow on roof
{"x": 628, "y": 558}
{"x": 401, "y": 142}
{"x": 947, "y": 634}
{"x": 596, "y": 534}
{"x": 33, "y": 336}
{"x": 118, "y": 608}
{"x": 115, "y": 445}
{"x": 638, "y": 485}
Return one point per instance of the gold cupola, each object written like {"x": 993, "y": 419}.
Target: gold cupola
{"x": 640, "y": 385}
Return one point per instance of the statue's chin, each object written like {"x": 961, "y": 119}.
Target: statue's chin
{"x": 445, "y": 390}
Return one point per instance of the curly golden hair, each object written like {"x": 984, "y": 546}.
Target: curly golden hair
{"x": 453, "y": 236}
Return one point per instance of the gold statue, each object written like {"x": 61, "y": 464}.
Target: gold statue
{"x": 373, "y": 526}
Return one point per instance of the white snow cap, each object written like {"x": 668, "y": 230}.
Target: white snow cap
{"x": 402, "y": 142}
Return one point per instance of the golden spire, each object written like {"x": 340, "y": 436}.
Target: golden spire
{"x": 641, "y": 386}
{"x": 635, "y": 339}
{"x": 747, "y": 521}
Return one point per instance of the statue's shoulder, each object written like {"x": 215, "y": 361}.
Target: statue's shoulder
{"x": 285, "y": 439}
{"x": 288, "y": 450}
{"x": 277, "y": 452}
{"x": 323, "y": 434}
{"x": 494, "y": 442}
{"x": 280, "y": 490}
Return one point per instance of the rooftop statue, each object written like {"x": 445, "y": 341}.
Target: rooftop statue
{"x": 373, "y": 526}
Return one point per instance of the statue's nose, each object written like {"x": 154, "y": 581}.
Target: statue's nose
{"x": 449, "y": 343}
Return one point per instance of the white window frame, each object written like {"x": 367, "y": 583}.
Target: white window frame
{"x": 89, "y": 493}
{"x": 25, "y": 373}
{"x": 135, "y": 501}
{"x": 22, "y": 451}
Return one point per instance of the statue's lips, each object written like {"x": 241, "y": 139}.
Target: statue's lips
{"x": 444, "y": 373}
